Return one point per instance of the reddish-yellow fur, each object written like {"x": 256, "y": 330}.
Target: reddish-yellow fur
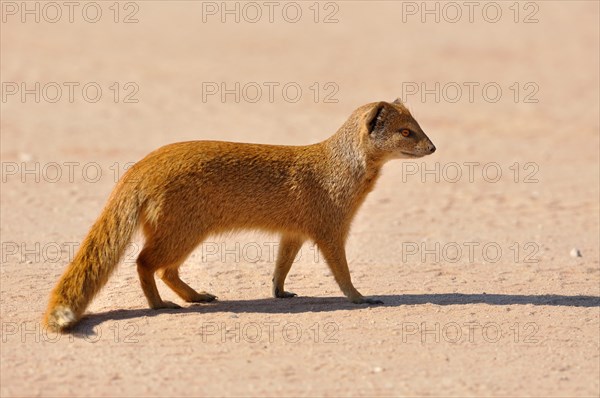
{"x": 183, "y": 192}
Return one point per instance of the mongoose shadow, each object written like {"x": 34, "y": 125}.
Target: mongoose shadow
{"x": 88, "y": 324}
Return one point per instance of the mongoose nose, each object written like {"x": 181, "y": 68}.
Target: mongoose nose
{"x": 432, "y": 148}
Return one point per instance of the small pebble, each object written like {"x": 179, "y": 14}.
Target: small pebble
{"x": 377, "y": 369}
{"x": 575, "y": 252}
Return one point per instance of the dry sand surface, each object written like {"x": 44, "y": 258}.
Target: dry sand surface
{"x": 482, "y": 296}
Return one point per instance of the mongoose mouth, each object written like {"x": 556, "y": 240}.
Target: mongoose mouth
{"x": 411, "y": 155}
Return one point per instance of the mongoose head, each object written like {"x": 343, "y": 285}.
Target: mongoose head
{"x": 392, "y": 133}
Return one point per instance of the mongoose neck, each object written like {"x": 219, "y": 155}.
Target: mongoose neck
{"x": 347, "y": 148}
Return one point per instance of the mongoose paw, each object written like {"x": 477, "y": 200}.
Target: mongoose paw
{"x": 166, "y": 305}
{"x": 366, "y": 300}
{"x": 203, "y": 297}
{"x": 283, "y": 294}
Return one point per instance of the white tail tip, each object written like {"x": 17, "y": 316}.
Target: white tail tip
{"x": 61, "y": 318}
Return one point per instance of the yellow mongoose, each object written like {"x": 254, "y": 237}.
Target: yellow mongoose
{"x": 183, "y": 192}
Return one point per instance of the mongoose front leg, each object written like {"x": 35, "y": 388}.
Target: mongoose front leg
{"x": 335, "y": 255}
{"x": 171, "y": 278}
{"x": 288, "y": 249}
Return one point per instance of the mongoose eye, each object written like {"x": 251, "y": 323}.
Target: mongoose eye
{"x": 405, "y": 132}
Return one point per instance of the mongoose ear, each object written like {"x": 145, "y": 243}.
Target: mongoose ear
{"x": 398, "y": 101}
{"x": 376, "y": 115}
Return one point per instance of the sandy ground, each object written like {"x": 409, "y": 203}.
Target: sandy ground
{"x": 482, "y": 296}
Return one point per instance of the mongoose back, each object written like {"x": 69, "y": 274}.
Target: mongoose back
{"x": 183, "y": 192}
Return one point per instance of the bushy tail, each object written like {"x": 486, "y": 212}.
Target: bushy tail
{"x": 97, "y": 257}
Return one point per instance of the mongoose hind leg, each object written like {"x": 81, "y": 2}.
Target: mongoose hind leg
{"x": 146, "y": 273}
{"x": 163, "y": 254}
{"x": 335, "y": 256}
{"x": 288, "y": 249}
{"x": 171, "y": 278}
